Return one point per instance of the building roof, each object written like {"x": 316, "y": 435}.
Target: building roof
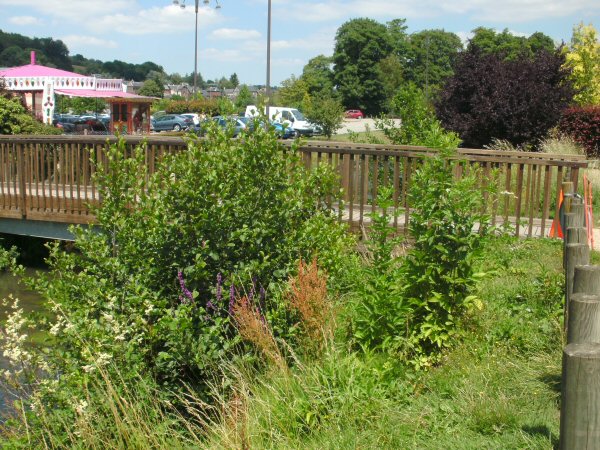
{"x": 101, "y": 94}
{"x": 35, "y": 70}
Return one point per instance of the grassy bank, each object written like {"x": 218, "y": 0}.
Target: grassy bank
{"x": 497, "y": 389}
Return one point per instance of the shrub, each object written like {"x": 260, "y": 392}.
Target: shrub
{"x": 14, "y": 119}
{"x": 516, "y": 100}
{"x": 209, "y": 107}
{"x": 327, "y": 113}
{"x": 419, "y": 124}
{"x": 416, "y": 306}
{"x": 146, "y": 290}
{"x": 439, "y": 270}
{"x": 583, "y": 125}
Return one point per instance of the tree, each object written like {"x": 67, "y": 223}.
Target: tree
{"x": 13, "y": 56}
{"x": 318, "y": 76}
{"x": 583, "y": 59}
{"x": 433, "y": 53}
{"x": 391, "y": 73}
{"x": 489, "y": 97}
{"x": 292, "y": 92}
{"x": 175, "y": 78}
{"x": 359, "y": 46}
{"x": 233, "y": 80}
{"x": 399, "y": 39}
{"x": 81, "y": 105}
{"x": 224, "y": 83}
{"x": 508, "y": 45}
{"x": 151, "y": 88}
{"x": 244, "y": 98}
{"x": 327, "y": 113}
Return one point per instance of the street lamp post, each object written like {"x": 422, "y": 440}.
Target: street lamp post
{"x": 182, "y": 5}
{"x": 268, "y": 62}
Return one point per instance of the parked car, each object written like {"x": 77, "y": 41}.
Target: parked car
{"x": 354, "y": 114}
{"x": 170, "y": 122}
{"x": 65, "y": 122}
{"x": 283, "y": 131}
{"x": 230, "y": 123}
{"x": 291, "y": 117}
{"x": 195, "y": 117}
{"x": 89, "y": 126}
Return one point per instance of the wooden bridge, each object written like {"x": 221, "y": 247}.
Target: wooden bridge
{"x": 47, "y": 182}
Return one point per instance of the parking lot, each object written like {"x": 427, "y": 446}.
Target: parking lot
{"x": 359, "y": 125}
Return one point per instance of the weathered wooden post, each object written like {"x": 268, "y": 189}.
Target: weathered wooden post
{"x": 575, "y": 255}
{"x": 567, "y": 188}
{"x": 580, "y": 406}
{"x": 584, "y": 319}
{"x": 586, "y": 280}
{"x": 574, "y": 220}
{"x": 578, "y": 211}
{"x": 577, "y": 235}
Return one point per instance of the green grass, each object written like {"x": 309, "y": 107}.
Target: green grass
{"x": 498, "y": 388}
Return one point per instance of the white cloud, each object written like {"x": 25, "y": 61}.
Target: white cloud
{"x": 488, "y": 10}
{"x": 74, "y": 41}
{"x": 25, "y": 20}
{"x": 71, "y": 10}
{"x": 120, "y": 16}
{"x": 234, "y": 34}
{"x": 157, "y": 20}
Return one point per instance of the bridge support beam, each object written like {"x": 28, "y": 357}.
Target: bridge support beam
{"x": 37, "y": 228}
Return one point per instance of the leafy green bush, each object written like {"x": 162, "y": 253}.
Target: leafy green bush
{"x": 419, "y": 123}
{"x": 439, "y": 270}
{"x": 327, "y": 112}
{"x": 150, "y": 289}
{"x": 14, "y": 119}
{"x": 378, "y": 312}
{"x": 209, "y": 107}
{"x": 416, "y": 306}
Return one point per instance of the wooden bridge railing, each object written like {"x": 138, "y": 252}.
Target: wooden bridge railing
{"x": 50, "y": 178}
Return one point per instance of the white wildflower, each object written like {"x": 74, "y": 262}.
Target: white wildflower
{"x": 103, "y": 359}
{"x": 89, "y": 368}
{"x": 81, "y": 406}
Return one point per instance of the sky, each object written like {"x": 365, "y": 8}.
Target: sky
{"x": 233, "y": 38}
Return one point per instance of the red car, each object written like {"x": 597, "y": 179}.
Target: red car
{"x": 354, "y": 114}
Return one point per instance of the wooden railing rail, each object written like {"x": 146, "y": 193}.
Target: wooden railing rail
{"x": 51, "y": 177}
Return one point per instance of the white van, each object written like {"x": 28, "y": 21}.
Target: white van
{"x": 290, "y": 117}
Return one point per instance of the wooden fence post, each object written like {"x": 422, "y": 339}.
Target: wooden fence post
{"x": 576, "y": 235}
{"x": 586, "y": 280}
{"x": 580, "y": 406}
{"x": 584, "y": 319}
{"x": 575, "y": 255}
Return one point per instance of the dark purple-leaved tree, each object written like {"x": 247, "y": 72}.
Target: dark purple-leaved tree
{"x": 515, "y": 100}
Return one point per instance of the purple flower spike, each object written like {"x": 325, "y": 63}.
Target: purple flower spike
{"x": 219, "y": 287}
{"x": 187, "y": 295}
{"x": 263, "y": 294}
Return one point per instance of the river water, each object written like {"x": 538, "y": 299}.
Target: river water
{"x": 28, "y": 300}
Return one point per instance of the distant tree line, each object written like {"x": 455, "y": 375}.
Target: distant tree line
{"x": 15, "y": 51}
{"x": 499, "y": 86}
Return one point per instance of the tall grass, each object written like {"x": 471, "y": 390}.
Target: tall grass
{"x": 498, "y": 389}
